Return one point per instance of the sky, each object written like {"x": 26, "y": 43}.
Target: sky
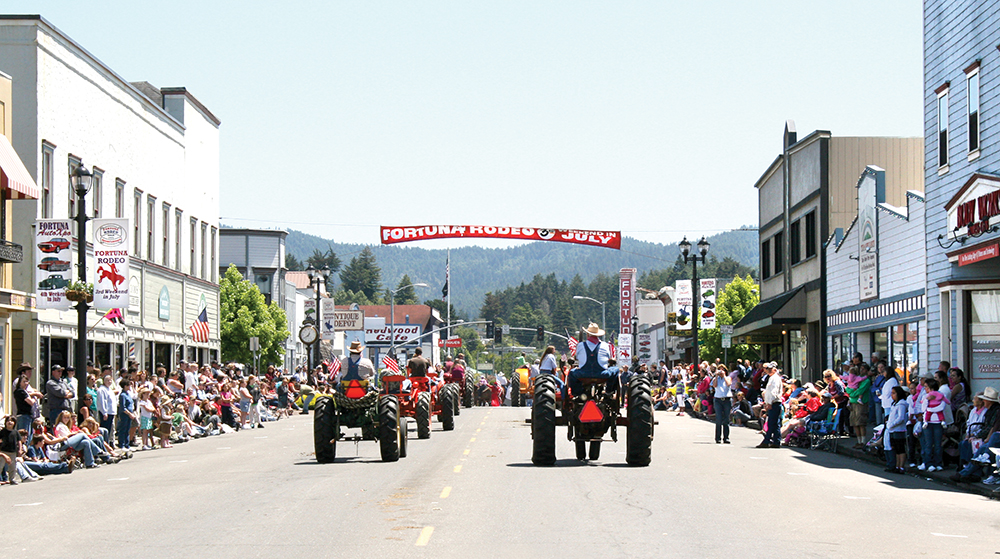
{"x": 650, "y": 118}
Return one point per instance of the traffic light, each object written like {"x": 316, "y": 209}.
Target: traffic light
{"x": 497, "y": 333}
{"x": 490, "y": 328}
{"x": 540, "y": 333}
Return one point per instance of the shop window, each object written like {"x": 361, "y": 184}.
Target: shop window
{"x": 765, "y": 259}
{"x": 779, "y": 252}
{"x": 810, "y": 234}
{"x": 985, "y": 339}
{"x": 794, "y": 242}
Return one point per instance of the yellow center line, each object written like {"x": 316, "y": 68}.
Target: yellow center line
{"x": 458, "y": 468}
{"x": 473, "y": 440}
{"x": 466, "y": 452}
{"x": 445, "y": 492}
{"x": 425, "y": 535}
{"x": 478, "y": 430}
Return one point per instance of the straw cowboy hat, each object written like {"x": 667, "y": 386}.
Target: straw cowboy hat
{"x": 356, "y": 347}
{"x": 990, "y": 394}
{"x": 594, "y": 330}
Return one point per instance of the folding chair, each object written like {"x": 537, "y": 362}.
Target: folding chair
{"x": 823, "y": 434}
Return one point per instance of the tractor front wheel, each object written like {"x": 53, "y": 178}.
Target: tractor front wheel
{"x": 325, "y": 430}
{"x": 447, "y": 417}
{"x": 639, "y": 437}
{"x": 388, "y": 428}
{"x": 543, "y": 425}
{"x": 424, "y": 415}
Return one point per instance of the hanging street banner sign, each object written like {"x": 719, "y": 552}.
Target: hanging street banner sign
{"x": 309, "y": 310}
{"x": 392, "y": 234}
{"x": 685, "y": 304}
{"x": 53, "y": 263}
{"x": 707, "y": 307}
{"x": 327, "y": 330}
{"x": 646, "y": 348}
{"x": 111, "y": 287}
{"x": 624, "y": 350}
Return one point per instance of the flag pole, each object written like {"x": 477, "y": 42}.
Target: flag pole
{"x": 447, "y": 280}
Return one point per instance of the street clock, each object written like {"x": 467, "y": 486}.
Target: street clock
{"x": 308, "y": 334}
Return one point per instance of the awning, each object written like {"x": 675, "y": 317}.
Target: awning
{"x": 14, "y": 178}
{"x": 787, "y": 308}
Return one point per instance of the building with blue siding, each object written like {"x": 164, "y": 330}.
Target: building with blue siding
{"x": 962, "y": 186}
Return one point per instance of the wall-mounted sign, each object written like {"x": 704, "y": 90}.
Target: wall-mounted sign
{"x": 349, "y": 320}
{"x": 53, "y": 263}
{"x": 163, "y": 304}
{"x": 626, "y": 299}
{"x": 111, "y": 288}
{"x": 381, "y": 336}
{"x": 975, "y": 208}
{"x": 979, "y": 254}
{"x": 871, "y": 191}
{"x": 757, "y": 339}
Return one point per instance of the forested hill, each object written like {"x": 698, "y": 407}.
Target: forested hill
{"x": 476, "y": 270}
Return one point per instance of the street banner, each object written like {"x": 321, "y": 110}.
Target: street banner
{"x": 626, "y": 299}
{"x": 869, "y": 186}
{"x": 707, "y": 306}
{"x": 647, "y": 349}
{"x": 309, "y": 310}
{"x": 624, "y": 356}
{"x": 53, "y": 263}
{"x": 111, "y": 255}
{"x": 327, "y": 321}
{"x": 393, "y": 234}
{"x": 685, "y": 303}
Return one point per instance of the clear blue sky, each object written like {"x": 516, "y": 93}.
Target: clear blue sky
{"x": 654, "y": 118}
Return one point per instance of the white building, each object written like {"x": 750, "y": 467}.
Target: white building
{"x": 155, "y": 157}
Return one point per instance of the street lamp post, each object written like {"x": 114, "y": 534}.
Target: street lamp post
{"x": 695, "y": 287}
{"x": 82, "y": 180}
{"x": 392, "y": 315}
{"x": 604, "y": 322}
{"x": 316, "y": 278}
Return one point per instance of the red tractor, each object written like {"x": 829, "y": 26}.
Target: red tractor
{"x": 422, "y": 399}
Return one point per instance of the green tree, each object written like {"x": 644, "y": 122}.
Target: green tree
{"x": 492, "y": 307}
{"x": 363, "y": 275}
{"x": 442, "y": 309}
{"x": 293, "y": 263}
{"x": 738, "y": 297}
{"x": 408, "y": 294}
{"x": 245, "y": 315}
{"x": 328, "y": 258}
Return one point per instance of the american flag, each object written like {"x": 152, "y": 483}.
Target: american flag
{"x": 447, "y": 277}
{"x": 389, "y": 363}
{"x": 334, "y": 367}
{"x": 612, "y": 351}
{"x": 572, "y": 345}
{"x": 199, "y": 330}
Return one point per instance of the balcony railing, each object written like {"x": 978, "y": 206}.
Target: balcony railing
{"x": 11, "y": 253}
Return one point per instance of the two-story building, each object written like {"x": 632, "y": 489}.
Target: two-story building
{"x": 16, "y": 184}
{"x": 962, "y": 185}
{"x": 155, "y": 158}
{"x": 807, "y": 192}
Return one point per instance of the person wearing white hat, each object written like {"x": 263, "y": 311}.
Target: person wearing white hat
{"x": 989, "y": 432}
{"x": 354, "y": 366}
{"x": 592, "y": 356}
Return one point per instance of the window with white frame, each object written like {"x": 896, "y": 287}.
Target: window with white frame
{"x": 942, "y": 126}
{"x": 119, "y": 198}
{"x": 74, "y": 162}
{"x": 214, "y": 267}
{"x": 193, "y": 270}
{"x": 972, "y": 83}
{"x": 166, "y": 234}
{"x": 48, "y": 153}
{"x": 178, "y": 216}
{"x": 151, "y": 228}
{"x": 97, "y": 190}
{"x": 204, "y": 250}
{"x": 137, "y": 222}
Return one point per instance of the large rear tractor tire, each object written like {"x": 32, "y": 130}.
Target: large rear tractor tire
{"x": 515, "y": 394}
{"x": 543, "y": 425}
{"x": 467, "y": 394}
{"x": 639, "y": 437}
{"x": 424, "y": 415}
{"x": 403, "y": 436}
{"x": 388, "y": 428}
{"x": 457, "y": 389}
{"x": 325, "y": 430}
{"x": 448, "y": 405}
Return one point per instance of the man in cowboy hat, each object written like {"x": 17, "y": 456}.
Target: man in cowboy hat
{"x": 354, "y": 366}
{"x": 592, "y": 355}
{"x": 989, "y": 432}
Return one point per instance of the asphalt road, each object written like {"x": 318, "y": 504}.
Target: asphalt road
{"x": 473, "y": 492}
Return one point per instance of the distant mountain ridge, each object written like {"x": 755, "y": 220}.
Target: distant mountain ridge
{"x": 477, "y": 270}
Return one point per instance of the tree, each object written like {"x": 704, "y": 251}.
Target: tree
{"x": 442, "y": 309}
{"x": 245, "y": 315}
{"x": 362, "y": 275}
{"x": 492, "y": 307}
{"x": 408, "y": 294}
{"x": 293, "y": 263}
{"x": 319, "y": 259}
{"x": 735, "y": 301}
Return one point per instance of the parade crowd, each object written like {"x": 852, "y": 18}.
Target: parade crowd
{"x": 917, "y": 421}
{"x": 60, "y": 426}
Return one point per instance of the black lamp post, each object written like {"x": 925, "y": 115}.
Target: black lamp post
{"x": 82, "y": 181}
{"x": 695, "y": 286}
{"x": 317, "y": 278}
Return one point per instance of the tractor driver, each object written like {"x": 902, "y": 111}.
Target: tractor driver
{"x": 417, "y": 365}
{"x": 354, "y": 366}
{"x": 593, "y": 355}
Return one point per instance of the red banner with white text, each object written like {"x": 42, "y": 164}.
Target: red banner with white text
{"x": 608, "y": 239}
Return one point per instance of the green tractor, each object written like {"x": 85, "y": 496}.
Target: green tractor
{"x": 359, "y": 406}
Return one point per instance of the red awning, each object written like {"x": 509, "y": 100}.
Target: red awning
{"x": 15, "y": 179}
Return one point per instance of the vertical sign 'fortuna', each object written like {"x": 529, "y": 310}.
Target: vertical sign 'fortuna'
{"x": 626, "y": 294}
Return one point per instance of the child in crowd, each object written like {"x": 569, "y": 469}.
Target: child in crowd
{"x": 146, "y": 411}
{"x": 933, "y": 427}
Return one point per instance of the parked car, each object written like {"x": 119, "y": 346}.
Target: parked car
{"x": 54, "y": 245}
{"x": 53, "y": 282}
{"x": 53, "y": 264}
